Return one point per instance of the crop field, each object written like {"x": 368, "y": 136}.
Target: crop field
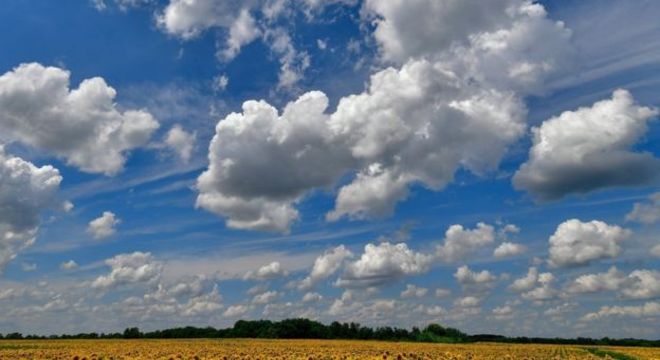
{"x": 302, "y": 349}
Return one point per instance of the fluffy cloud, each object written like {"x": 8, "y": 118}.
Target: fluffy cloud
{"x": 417, "y": 123}
{"x": 181, "y": 142}
{"x": 526, "y": 282}
{"x": 655, "y": 251}
{"x": 384, "y": 263}
{"x": 578, "y": 243}
{"x": 266, "y": 272}
{"x": 242, "y": 31}
{"x": 25, "y": 191}
{"x": 81, "y": 125}
{"x": 588, "y": 149}
{"x": 413, "y": 291}
{"x": 646, "y": 213}
{"x": 68, "y": 265}
{"x": 639, "y": 284}
{"x": 543, "y": 290}
{"x": 325, "y": 265}
{"x": 103, "y": 226}
{"x": 647, "y": 310}
{"x": 188, "y": 18}
{"x": 265, "y": 297}
{"x": 475, "y": 280}
{"x": 311, "y": 297}
{"x": 509, "y": 249}
{"x": 127, "y": 269}
{"x": 460, "y": 242}
{"x": 236, "y": 311}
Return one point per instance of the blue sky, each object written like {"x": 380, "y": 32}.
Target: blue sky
{"x": 176, "y": 162}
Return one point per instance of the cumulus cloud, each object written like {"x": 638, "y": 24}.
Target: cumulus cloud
{"x": 187, "y": 19}
{"x": 413, "y": 291}
{"x": 579, "y": 243}
{"x": 543, "y": 289}
{"x": 242, "y": 31}
{"x": 441, "y": 293}
{"x": 655, "y": 251}
{"x": 103, "y": 226}
{"x": 509, "y": 249}
{"x": 475, "y": 280}
{"x": 646, "y": 310}
{"x": 646, "y": 212}
{"x": 589, "y": 149}
{"x": 267, "y": 272}
{"x": 526, "y": 282}
{"x": 81, "y": 125}
{"x": 128, "y": 269}
{"x": 236, "y": 311}
{"x": 467, "y": 302}
{"x": 460, "y": 242}
{"x": 325, "y": 265}
{"x": 312, "y": 297}
{"x": 25, "y": 191}
{"x": 69, "y": 265}
{"x": 181, "y": 142}
{"x": 384, "y": 263}
{"x": 639, "y": 284}
{"x": 265, "y": 297}
{"x": 417, "y": 123}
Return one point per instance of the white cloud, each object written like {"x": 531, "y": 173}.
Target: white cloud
{"x": 181, "y": 142}
{"x": 655, "y": 251}
{"x": 414, "y": 124}
{"x": 646, "y": 213}
{"x": 405, "y": 29}
{"x": 189, "y": 18}
{"x": 526, "y": 282}
{"x": 413, "y": 291}
{"x": 103, "y": 226}
{"x": 503, "y": 312}
{"x": 384, "y": 263}
{"x": 467, "y": 301}
{"x": 267, "y": 272}
{"x": 220, "y": 83}
{"x": 127, "y": 269}
{"x": 589, "y": 149}
{"x": 27, "y": 267}
{"x": 611, "y": 280}
{"x": 647, "y": 310}
{"x": 293, "y": 63}
{"x": 311, "y": 297}
{"x": 81, "y": 125}
{"x": 469, "y": 278}
{"x": 543, "y": 290}
{"x": 236, "y": 311}
{"x": 25, "y": 191}
{"x": 441, "y": 293}
{"x": 68, "y": 265}
{"x": 639, "y": 284}
{"x": 325, "y": 265}
{"x": 579, "y": 243}
{"x": 460, "y": 242}
{"x": 241, "y": 32}
{"x": 509, "y": 249}
{"x": 265, "y": 297}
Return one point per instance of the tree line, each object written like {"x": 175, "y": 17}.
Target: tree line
{"x": 309, "y": 329}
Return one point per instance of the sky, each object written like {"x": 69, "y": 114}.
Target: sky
{"x": 491, "y": 166}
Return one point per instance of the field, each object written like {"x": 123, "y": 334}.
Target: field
{"x": 301, "y": 349}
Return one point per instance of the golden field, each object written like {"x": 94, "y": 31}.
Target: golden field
{"x": 298, "y": 349}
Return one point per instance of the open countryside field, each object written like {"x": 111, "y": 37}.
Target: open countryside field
{"x": 303, "y": 349}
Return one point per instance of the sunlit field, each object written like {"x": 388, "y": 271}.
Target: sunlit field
{"x": 303, "y": 349}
